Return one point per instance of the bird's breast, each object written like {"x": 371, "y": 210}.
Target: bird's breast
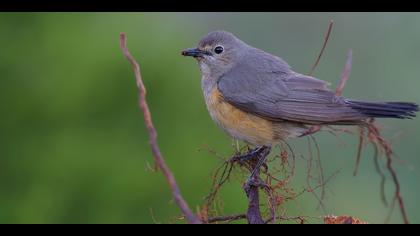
{"x": 237, "y": 123}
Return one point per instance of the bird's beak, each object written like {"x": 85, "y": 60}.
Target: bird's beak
{"x": 194, "y": 52}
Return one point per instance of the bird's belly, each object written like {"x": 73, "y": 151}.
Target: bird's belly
{"x": 239, "y": 124}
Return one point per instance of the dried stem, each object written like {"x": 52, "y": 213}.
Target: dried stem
{"x": 346, "y": 74}
{"x": 359, "y": 150}
{"x": 315, "y": 128}
{"x": 227, "y": 218}
{"x": 378, "y": 141}
{"x": 321, "y": 170}
{"x": 160, "y": 161}
{"x": 309, "y": 176}
{"x": 324, "y": 45}
{"x": 381, "y": 174}
{"x": 376, "y": 138}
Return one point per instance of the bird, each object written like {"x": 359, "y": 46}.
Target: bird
{"x": 256, "y": 97}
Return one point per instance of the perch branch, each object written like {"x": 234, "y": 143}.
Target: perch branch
{"x": 253, "y": 214}
{"x": 160, "y": 161}
{"x": 251, "y": 188}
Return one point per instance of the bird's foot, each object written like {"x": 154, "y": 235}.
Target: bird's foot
{"x": 262, "y": 157}
{"x": 251, "y": 154}
{"x": 252, "y": 181}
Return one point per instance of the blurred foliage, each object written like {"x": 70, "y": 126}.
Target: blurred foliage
{"x": 73, "y": 146}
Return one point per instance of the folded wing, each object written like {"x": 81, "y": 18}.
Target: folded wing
{"x": 268, "y": 88}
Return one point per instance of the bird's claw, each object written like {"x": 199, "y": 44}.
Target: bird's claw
{"x": 251, "y": 154}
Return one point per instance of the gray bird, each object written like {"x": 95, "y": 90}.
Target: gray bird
{"x": 256, "y": 97}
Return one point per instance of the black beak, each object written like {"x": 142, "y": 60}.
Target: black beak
{"x": 194, "y": 52}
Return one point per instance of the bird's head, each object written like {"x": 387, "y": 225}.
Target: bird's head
{"x": 217, "y": 52}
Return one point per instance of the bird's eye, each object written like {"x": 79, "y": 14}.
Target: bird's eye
{"x": 218, "y": 49}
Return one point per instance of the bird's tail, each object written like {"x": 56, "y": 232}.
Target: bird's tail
{"x": 401, "y": 110}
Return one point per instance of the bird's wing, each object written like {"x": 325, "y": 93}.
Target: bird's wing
{"x": 271, "y": 90}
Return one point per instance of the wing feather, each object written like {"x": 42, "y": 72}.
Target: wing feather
{"x": 265, "y": 86}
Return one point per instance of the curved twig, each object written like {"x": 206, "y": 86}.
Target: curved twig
{"x": 376, "y": 138}
{"x": 324, "y": 45}
{"x": 346, "y": 74}
{"x": 160, "y": 161}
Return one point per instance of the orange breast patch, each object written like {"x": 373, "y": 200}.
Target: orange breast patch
{"x": 237, "y": 123}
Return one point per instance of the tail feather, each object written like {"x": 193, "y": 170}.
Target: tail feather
{"x": 401, "y": 110}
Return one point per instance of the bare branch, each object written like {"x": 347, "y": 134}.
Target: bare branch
{"x": 376, "y": 138}
{"x": 160, "y": 161}
{"x": 227, "y": 218}
{"x": 253, "y": 212}
{"x": 327, "y": 36}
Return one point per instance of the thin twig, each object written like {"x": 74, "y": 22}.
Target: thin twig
{"x": 376, "y": 137}
{"x": 153, "y": 216}
{"x": 309, "y": 177}
{"x": 321, "y": 170}
{"x": 397, "y": 189}
{"x": 315, "y": 128}
{"x": 227, "y": 218}
{"x": 381, "y": 174}
{"x": 359, "y": 150}
{"x": 391, "y": 210}
{"x": 340, "y": 87}
{"x": 299, "y": 219}
{"x": 218, "y": 182}
{"x": 160, "y": 161}
{"x": 327, "y": 36}
{"x": 272, "y": 206}
{"x": 311, "y": 189}
{"x": 346, "y": 74}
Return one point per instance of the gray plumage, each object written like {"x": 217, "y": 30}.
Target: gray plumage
{"x": 264, "y": 85}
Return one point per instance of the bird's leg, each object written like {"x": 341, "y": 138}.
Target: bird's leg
{"x": 235, "y": 145}
{"x": 262, "y": 157}
{"x": 252, "y": 186}
{"x": 251, "y": 154}
{"x": 238, "y": 148}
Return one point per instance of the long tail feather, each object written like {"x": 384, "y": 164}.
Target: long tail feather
{"x": 401, "y": 110}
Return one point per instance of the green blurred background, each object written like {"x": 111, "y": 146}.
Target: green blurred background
{"x": 73, "y": 146}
